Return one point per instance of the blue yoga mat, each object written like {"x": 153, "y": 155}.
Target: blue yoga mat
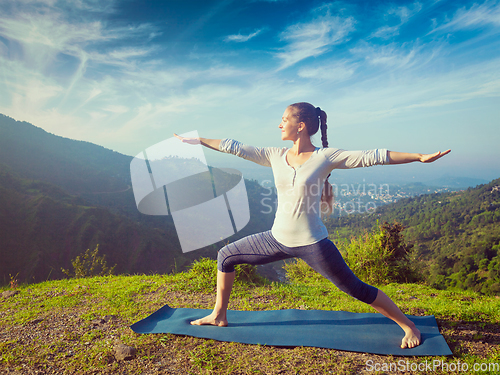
{"x": 356, "y": 332}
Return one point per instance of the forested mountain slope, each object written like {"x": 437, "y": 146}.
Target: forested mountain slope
{"x": 456, "y": 235}
{"x": 59, "y": 197}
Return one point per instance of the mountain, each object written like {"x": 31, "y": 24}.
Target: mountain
{"x": 43, "y": 228}
{"x": 76, "y": 166}
{"x": 455, "y": 235}
{"x": 59, "y": 197}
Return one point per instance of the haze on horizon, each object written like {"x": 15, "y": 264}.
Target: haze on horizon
{"x": 417, "y": 76}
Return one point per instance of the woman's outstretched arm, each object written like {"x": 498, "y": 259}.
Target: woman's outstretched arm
{"x": 259, "y": 155}
{"x": 406, "y": 157}
{"x": 210, "y": 143}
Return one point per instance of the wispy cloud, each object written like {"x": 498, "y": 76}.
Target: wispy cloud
{"x": 50, "y": 30}
{"x": 44, "y": 38}
{"x": 239, "y": 38}
{"x": 125, "y": 57}
{"x": 337, "y": 71}
{"x": 403, "y": 14}
{"x": 478, "y": 15}
{"x": 385, "y": 32}
{"x": 55, "y": 66}
{"x": 393, "y": 55}
{"x": 388, "y": 97}
{"x": 313, "y": 38}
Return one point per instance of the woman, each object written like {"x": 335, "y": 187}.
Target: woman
{"x": 301, "y": 179}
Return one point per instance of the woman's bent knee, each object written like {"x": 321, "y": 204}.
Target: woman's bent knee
{"x": 363, "y": 292}
{"x": 223, "y": 263}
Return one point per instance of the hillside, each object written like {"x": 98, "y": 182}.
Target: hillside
{"x": 72, "y": 326}
{"x": 60, "y": 197}
{"x": 43, "y": 228}
{"x": 456, "y": 236}
{"x": 75, "y": 166}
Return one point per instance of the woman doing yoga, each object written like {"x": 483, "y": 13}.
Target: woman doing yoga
{"x": 301, "y": 180}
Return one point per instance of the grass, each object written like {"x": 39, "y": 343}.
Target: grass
{"x": 70, "y": 326}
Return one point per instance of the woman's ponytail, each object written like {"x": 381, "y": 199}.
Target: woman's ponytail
{"x": 327, "y": 197}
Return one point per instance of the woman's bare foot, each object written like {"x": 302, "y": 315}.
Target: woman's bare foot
{"x": 384, "y": 305}
{"x": 213, "y": 319}
{"x": 411, "y": 339}
{"x": 218, "y": 316}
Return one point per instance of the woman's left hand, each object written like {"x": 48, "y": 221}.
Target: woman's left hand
{"x": 429, "y": 158}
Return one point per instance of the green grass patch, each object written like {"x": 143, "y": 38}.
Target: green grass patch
{"x": 60, "y": 326}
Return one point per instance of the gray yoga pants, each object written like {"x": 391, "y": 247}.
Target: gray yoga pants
{"x": 322, "y": 256}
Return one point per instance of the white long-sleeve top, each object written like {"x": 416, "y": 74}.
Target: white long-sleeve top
{"x": 298, "y": 216}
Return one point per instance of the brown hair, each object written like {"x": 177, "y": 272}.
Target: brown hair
{"x": 314, "y": 118}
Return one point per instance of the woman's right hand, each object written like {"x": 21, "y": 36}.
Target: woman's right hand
{"x": 214, "y": 144}
{"x": 191, "y": 141}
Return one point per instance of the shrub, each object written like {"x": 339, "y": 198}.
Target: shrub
{"x": 246, "y": 273}
{"x": 205, "y": 270}
{"x": 89, "y": 264}
{"x": 367, "y": 258}
{"x": 202, "y": 275}
{"x": 379, "y": 257}
{"x": 382, "y": 257}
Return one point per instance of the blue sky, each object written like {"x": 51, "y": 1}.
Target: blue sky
{"x": 416, "y": 76}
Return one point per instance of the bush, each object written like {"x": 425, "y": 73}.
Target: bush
{"x": 246, "y": 273}
{"x": 89, "y": 264}
{"x": 368, "y": 259}
{"x": 205, "y": 270}
{"x": 378, "y": 258}
{"x": 382, "y": 257}
{"x": 203, "y": 275}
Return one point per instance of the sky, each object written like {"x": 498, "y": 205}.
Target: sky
{"x": 411, "y": 76}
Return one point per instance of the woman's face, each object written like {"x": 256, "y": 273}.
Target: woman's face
{"x": 289, "y": 125}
